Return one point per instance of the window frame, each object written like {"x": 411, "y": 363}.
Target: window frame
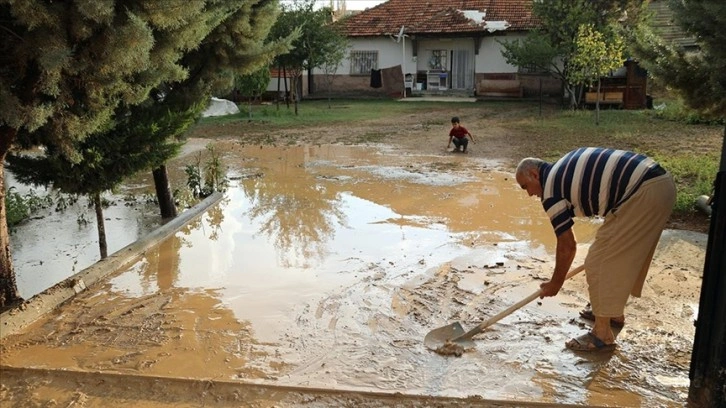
{"x": 362, "y": 62}
{"x": 439, "y": 60}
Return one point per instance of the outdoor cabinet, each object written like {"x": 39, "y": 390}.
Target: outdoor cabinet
{"x": 437, "y": 81}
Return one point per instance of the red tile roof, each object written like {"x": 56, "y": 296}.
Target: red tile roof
{"x": 437, "y": 17}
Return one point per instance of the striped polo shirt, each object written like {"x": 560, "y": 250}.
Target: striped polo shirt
{"x": 591, "y": 181}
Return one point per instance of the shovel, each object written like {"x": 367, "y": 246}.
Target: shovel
{"x": 452, "y": 339}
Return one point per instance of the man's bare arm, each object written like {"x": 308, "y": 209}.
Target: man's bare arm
{"x": 566, "y": 250}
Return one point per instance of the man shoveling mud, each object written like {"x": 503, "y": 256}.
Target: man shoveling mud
{"x": 634, "y": 194}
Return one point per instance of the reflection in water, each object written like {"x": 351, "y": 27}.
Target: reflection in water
{"x": 163, "y": 264}
{"x": 54, "y": 245}
{"x": 294, "y": 210}
{"x": 211, "y": 219}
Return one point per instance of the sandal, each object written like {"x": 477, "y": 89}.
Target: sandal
{"x": 587, "y": 315}
{"x": 589, "y": 342}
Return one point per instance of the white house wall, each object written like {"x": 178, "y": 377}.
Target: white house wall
{"x": 490, "y": 59}
{"x": 487, "y": 63}
{"x": 390, "y": 53}
{"x": 272, "y": 86}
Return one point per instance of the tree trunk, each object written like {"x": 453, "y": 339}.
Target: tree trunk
{"x": 573, "y": 99}
{"x": 277, "y": 98}
{"x": 163, "y": 192}
{"x": 101, "y": 225}
{"x": 8, "y": 286}
{"x": 294, "y": 84}
{"x": 287, "y": 91}
{"x": 597, "y": 104}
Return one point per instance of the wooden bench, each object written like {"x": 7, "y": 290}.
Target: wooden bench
{"x": 500, "y": 87}
{"x": 606, "y": 98}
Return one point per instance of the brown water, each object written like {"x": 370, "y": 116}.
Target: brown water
{"x": 326, "y": 266}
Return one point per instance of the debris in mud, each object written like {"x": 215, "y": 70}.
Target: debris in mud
{"x": 450, "y": 349}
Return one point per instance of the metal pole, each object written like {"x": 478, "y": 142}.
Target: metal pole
{"x": 403, "y": 61}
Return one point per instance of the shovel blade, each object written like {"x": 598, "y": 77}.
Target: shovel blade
{"x": 438, "y": 337}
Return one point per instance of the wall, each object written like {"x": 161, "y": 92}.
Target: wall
{"x": 488, "y": 64}
{"x": 390, "y": 53}
{"x": 490, "y": 59}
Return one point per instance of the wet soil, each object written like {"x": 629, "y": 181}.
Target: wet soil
{"x": 315, "y": 280}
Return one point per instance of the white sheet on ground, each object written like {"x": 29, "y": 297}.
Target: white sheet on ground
{"x": 220, "y": 107}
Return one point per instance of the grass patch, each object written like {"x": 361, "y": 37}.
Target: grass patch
{"x": 319, "y": 112}
{"x": 678, "y": 146}
{"x": 694, "y": 176}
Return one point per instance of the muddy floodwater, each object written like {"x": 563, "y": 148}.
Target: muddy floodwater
{"x": 323, "y": 267}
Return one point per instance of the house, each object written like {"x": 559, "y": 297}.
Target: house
{"x": 444, "y": 47}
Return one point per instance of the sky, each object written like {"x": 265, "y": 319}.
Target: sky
{"x": 349, "y": 4}
{"x": 360, "y": 4}
{"x": 353, "y": 4}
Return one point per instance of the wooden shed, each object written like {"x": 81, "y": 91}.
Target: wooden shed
{"x": 626, "y": 88}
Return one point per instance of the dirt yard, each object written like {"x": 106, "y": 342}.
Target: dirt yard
{"x": 426, "y": 132}
{"x": 407, "y": 237}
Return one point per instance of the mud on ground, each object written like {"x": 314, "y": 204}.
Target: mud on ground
{"x": 361, "y": 344}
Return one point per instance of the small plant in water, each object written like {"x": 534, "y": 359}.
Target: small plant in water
{"x": 215, "y": 178}
{"x": 81, "y": 219}
{"x": 20, "y": 207}
{"x": 63, "y": 201}
{"x": 203, "y": 180}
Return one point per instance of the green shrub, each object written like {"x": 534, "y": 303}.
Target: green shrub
{"x": 675, "y": 110}
{"x": 205, "y": 179}
{"x": 20, "y": 207}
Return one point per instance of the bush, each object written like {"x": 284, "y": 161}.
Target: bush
{"x": 20, "y": 207}
{"x": 675, "y": 110}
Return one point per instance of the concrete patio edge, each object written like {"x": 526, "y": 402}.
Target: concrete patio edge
{"x": 15, "y": 319}
{"x": 226, "y": 393}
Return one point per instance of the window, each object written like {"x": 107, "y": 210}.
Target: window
{"x": 362, "y": 62}
{"x": 438, "y": 60}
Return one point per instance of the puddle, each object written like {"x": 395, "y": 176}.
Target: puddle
{"x": 47, "y": 250}
{"x": 313, "y": 219}
{"x": 324, "y": 266}
{"x": 305, "y": 198}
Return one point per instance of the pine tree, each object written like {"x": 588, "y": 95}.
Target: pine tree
{"x": 108, "y": 157}
{"x": 698, "y": 76}
{"x": 237, "y": 45}
{"x": 79, "y": 89}
{"x": 67, "y": 66}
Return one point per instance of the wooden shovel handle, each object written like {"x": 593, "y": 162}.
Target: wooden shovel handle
{"x": 499, "y": 316}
